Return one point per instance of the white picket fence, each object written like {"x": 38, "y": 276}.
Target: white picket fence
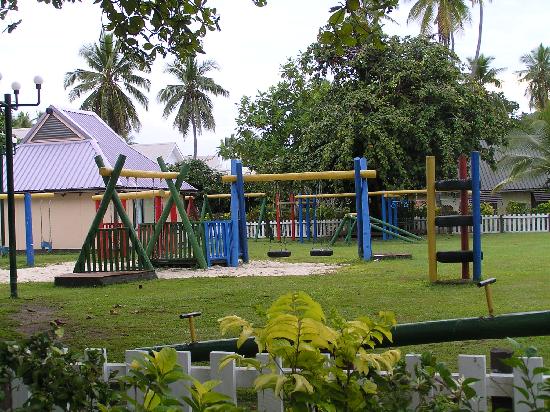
{"x": 233, "y": 378}
{"x": 499, "y": 224}
{"x": 325, "y": 228}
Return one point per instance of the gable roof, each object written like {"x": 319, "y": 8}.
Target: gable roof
{"x": 154, "y": 150}
{"x": 58, "y": 154}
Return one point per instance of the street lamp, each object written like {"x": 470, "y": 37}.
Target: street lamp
{"x": 8, "y": 106}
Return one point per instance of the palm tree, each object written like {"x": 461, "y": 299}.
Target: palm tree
{"x": 482, "y": 71}
{"x": 448, "y": 15}
{"x": 190, "y": 97}
{"x": 537, "y": 74}
{"x": 110, "y": 84}
{"x": 528, "y": 153}
{"x": 480, "y": 26}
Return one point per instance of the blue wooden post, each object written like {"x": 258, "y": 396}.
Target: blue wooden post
{"x": 358, "y": 205}
{"x": 476, "y": 214}
{"x": 300, "y": 220}
{"x": 366, "y": 229}
{"x": 243, "y": 238}
{"x": 315, "y": 204}
{"x": 384, "y": 201}
{"x": 234, "y": 217}
{"x": 395, "y": 221}
{"x": 308, "y": 221}
{"x": 28, "y": 230}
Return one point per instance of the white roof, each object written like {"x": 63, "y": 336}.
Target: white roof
{"x": 169, "y": 151}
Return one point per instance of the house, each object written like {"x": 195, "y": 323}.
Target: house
{"x": 170, "y": 151}
{"x": 57, "y": 155}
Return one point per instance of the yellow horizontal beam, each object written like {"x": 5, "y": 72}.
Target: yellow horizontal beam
{"x": 150, "y": 174}
{"x": 328, "y": 175}
{"x": 398, "y": 192}
{"x": 20, "y": 196}
{"x": 145, "y": 194}
{"x": 228, "y": 196}
{"x": 325, "y": 196}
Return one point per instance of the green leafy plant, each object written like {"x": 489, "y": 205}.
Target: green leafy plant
{"x": 542, "y": 208}
{"x": 296, "y": 335}
{"x": 517, "y": 208}
{"x": 487, "y": 209}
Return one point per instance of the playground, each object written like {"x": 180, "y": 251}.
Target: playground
{"x": 125, "y": 316}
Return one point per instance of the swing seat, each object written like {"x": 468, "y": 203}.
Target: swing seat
{"x": 278, "y": 253}
{"x": 46, "y": 246}
{"x": 321, "y": 252}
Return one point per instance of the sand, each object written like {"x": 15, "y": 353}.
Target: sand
{"x": 254, "y": 268}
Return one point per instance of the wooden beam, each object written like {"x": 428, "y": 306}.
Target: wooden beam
{"x": 327, "y": 175}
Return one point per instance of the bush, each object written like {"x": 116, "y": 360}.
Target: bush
{"x": 487, "y": 209}
{"x": 542, "y": 208}
{"x": 517, "y": 208}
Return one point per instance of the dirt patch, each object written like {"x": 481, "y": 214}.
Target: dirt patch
{"x": 33, "y": 318}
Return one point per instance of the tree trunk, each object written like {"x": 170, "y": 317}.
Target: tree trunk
{"x": 480, "y": 30}
{"x": 194, "y": 139}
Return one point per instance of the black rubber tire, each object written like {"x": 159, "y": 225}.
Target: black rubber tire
{"x": 321, "y": 252}
{"x": 278, "y": 253}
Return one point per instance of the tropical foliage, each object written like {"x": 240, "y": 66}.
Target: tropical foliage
{"x": 190, "y": 97}
{"x": 482, "y": 71}
{"x": 527, "y": 154}
{"x": 109, "y": 84}
{"x": 449, "y": 17}
{"x": 394, "y": 111}
{"x": 22, "y": 120}
{"x": 537, "y": 75}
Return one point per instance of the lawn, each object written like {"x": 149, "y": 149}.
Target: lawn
{"x": 121, "y": 317}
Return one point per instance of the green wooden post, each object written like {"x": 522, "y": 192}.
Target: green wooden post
{"x": 197, "y": 250}
{"x": 381, "y": 229}
{"x": 261, "y": 217}
{"x": 204, "y": 207}
{"x": 352, "y": 224}
{"x": 338, "y": 231}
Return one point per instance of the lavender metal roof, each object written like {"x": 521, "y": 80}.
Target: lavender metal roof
{"x": 70, "y": 165}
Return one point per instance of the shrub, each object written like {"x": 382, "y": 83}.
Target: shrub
{"x": 516, "y": 208}
{"x": 487, "y": 209}
{"x": 542, "y": 208}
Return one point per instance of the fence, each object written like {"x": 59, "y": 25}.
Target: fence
{"x": 325, "y": 228}
{"x": 498, "y": 224}
{"x": 233, "y": 378}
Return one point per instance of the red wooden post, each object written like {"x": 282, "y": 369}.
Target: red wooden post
{"x": 278, "y": 215}
{"x": 173, "y": 213}
{"x": 463, "y": 174}
{"x": 158, "y": 208}
{"x": 292, "y": 218}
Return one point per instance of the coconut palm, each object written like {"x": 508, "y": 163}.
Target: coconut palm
{"x": 527, "y": 155}
{"x": 482, "y": 71}
{"x": 190, "y": 97}
{"x": 111, "y": 82}
{"x": 537, "y": 74}
{"x": 480, "y": 26}
{"x": 449, "y": 17}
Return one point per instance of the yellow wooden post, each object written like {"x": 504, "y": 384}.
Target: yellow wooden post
{"x": 430, "y": 217}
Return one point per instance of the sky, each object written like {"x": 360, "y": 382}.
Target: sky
{"x": 250, "y": 49}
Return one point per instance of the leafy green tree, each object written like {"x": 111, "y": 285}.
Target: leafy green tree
{"x": 482, "y": 71}
{"x": 527, "y": 154}
{"x": 110, "y": 84}
{"x": 148, "y": 28}
{"x": 448, "y": 15}
{"x": 537, "y": 75}
{"x": 393, "y": 105}
{"x": 201, "y": 176}
{"x": 22, "y": 120}
{"x": 190, "y": 97}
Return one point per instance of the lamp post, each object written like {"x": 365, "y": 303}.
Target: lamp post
{"x": 8, "y": 106}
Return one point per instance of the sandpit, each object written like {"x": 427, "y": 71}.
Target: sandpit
{"x": 254, "y": 268}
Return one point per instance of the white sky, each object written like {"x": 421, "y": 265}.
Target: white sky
{"x": 252, "y": 45}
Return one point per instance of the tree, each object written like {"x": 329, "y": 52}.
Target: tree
{"x": 537, "y": 74}
{"x": 22, "y": 120}
{"x": 148, "y": 28}
{"x": 113, "y": 79}
{"x": 480, "y": 26}
{"x": 482, "y": 71}
{"x": 393, "y": 105}
{"x": 190, "y": 98}
{"x": 527, "y": 154}
{"x": 448, "y": 15}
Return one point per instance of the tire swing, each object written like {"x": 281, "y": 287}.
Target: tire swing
{"x": 318, "y": 252}
{"x": 281, "y": 253}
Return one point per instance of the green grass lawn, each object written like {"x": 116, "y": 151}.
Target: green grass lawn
{"x": 121, "y": 317}
{"x": 40, "y": 259}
